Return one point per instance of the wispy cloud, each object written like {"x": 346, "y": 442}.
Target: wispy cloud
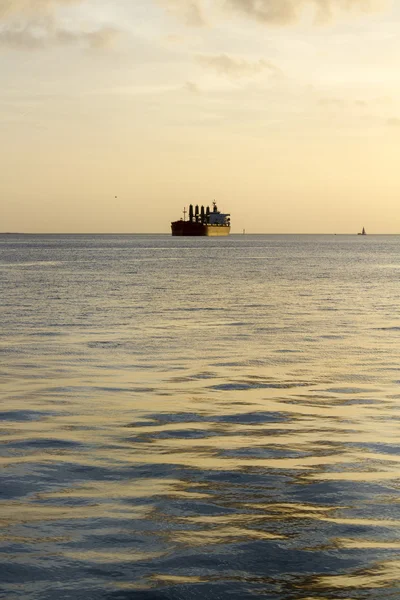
{"x": 36, "y": 24}
{"x": 193, "y": 12}
{"x": 236, "y": 68}
{"x": 278, "y": 12}
{"x": 288, "y": 11}
{"x": 29, "y": 39}
{"x": 191, "y": 86}
{"x": 9, "y": 8}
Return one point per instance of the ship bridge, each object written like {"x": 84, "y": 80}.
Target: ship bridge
{"x": 217, "y": 218}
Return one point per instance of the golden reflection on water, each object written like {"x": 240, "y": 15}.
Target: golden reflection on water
{"x": 126, "y": 489}
{"x": 380, "y": 576}
{"x": 367, "y": 544}
{"x": 221, "y": 535}
{"x": 203, "y": 440}
{"x": 20, "y": 513}
{"x": 113, "y": 557}
{"x": 304, "y": 435}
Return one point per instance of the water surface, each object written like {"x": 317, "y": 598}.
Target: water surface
{"x": 199, "y": 418}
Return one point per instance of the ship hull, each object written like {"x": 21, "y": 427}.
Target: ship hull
{"x": 199, "y": 229}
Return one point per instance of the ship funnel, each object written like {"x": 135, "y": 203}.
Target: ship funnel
{"x": 202, "y": 214}
{"x": 191, "y": 212}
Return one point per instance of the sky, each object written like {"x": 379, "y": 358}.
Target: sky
{"x": 115, "y": 115}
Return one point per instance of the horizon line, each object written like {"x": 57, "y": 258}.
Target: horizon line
{"x": 169, "y": 234}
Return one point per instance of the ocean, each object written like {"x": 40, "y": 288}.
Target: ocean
{"x": 199, "y": 418}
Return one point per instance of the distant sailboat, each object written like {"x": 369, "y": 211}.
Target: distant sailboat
{"x": 363, "y": 232}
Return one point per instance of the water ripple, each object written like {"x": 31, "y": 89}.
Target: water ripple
{"x": 222, "y": 433}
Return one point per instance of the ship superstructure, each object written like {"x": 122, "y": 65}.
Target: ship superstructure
{"x": 202, "y": 221}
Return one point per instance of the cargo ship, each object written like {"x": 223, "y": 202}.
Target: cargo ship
{"x": 202, "y": 222}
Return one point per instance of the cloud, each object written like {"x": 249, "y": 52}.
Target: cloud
{"x": 29, "y": 39}
{"x": 192, "y": 87}
{"x": 20, "y": 39}
{"x": 174, "y": 39}
{"x": 36, "y": 24}
{"x": 288, "y": 11}
{"x": 277, "y": 12}
{"x": 8, "y": 8}
{"x": 235, "y": 68}
{"x": 97, "y": 39}
{"x": 192, "y": 11}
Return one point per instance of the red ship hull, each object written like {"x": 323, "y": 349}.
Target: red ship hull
{"x": 198, "y": 229}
